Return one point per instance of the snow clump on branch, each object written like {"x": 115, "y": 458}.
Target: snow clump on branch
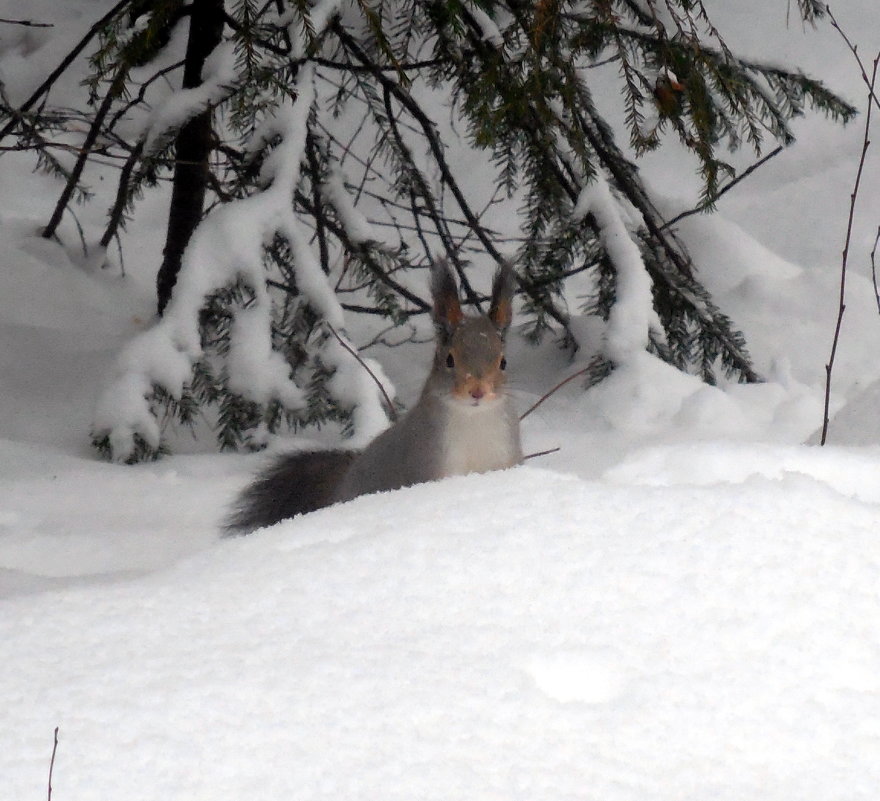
{"x": 218, "y": 75}
{"x": 227, "y": 248}
{"x": 632, "y": 316}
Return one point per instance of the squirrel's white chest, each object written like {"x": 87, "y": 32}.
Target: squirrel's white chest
{"x": 478, "y": 439}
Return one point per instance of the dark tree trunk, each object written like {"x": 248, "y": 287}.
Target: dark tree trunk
{"x": 193, "y": 146}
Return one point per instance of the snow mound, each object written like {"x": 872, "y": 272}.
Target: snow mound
{"x": 524, "y": 634}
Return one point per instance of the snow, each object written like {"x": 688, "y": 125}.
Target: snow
{"x": 633, "y": 312}
{"x": 218, "y": 80}
{"x": 256, "y": 370}
{"x": 354, "y": 384}
{"x": 489, "y": 31}
{"x": 358, "y": 229}
{"x": 681, "y": 603}
{"x": 476, "y": 651}
{"x": 227, "y": 247}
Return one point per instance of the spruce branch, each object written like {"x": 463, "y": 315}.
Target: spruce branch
{"x": 62, "y": 67}
{"x": 317, "y": 202}
{"x": 123, "y": 195}
{"x": 77, "y": 171}
{"x": 724, "y": 189}
{"x": 523, "y": 97}
{"x": 366, "y": 254}
{"x": 429, "y": 129}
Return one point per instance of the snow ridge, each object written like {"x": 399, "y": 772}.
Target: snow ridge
{"x": 632, "y": 315}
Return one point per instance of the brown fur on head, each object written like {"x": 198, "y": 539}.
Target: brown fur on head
{"x": 470, "y": 350}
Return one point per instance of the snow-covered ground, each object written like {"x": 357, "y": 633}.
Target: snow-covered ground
{"x": 681, "y": 603}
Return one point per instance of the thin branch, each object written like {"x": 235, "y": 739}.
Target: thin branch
{"x": 358, "y": 309}
{"x": 841, "y": 307}
{"x": 555, "y": 389}
{"x": 854, "y": 49}
{"x": 79, "y": 166}
{"x": 726, "y": 188}
{"x": 392, "y": 412}
{"x": 52, "y": 764}
{"x": 424, "y": 189}
{"x": 363, "y": 251}
{"x": 27, "y": 23}
{"x": 874, "y": 268}
{"x": 541, "y": 453}
{"x": 79, "y": 228}
{"x": 407, "y": 101}
{"x": 142, "y": 92}
{"x": 44, "y": 87}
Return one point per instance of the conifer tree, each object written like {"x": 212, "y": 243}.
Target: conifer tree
{"x": 351, "y": 120}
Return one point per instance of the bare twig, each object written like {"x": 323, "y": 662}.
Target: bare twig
{"x": 854, "y": 49}
{"x": 874, "y": 268}
{"x": 44, "y": 87}
{"x": 52, "y": 764}
{"x": 541, "y": 453}
{"x": 26, "y": 22}
{"x": 841, "y": 307}
{"x": 726, "y": 188}
{"x": 392, "y": 412}
{"x": 118, "y": 210}
{"x": 363, "y": 251}
{"x": 555, "y": 389}
{"x": 115, "y": 89}
{"x": 429, "y": 130}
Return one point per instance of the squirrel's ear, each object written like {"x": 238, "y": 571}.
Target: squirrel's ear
{"x": 447, "y": 308}
{"x": 501, "y": 307}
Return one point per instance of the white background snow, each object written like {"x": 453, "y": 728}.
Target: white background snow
{"x": 682, "y": 603}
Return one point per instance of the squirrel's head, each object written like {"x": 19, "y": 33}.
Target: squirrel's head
{"x": 470, "y": 349}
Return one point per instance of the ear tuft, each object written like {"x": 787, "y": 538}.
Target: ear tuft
{"x": 503, "y": 287}
{"x": 447, "y": 308}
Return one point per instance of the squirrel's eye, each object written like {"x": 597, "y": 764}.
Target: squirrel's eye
{"x": 503, "y": 363}
{"x": 450, "y": 361}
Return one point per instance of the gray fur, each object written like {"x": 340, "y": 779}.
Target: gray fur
{"x": 463, "y": 422}
{"x": 295, "y": 483}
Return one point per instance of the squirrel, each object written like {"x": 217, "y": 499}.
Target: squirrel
{"x": 463, "y": 422}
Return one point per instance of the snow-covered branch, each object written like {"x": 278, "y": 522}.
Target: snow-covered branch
{"x": 218, "y": 78}
{"x": 488, "y": 29}
{"x": 225, "y": 249}
{"x": 632, "y": 316}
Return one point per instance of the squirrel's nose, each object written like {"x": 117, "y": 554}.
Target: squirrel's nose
{"x": 477, "y": 392}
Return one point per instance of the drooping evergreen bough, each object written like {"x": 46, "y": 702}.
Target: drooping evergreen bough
{"x": 354, "y": 141}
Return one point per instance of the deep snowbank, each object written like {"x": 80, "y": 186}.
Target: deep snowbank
{"x": 518, "y": 635}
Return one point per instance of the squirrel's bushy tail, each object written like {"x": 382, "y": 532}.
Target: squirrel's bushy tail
{"x": 294, "y": 484}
